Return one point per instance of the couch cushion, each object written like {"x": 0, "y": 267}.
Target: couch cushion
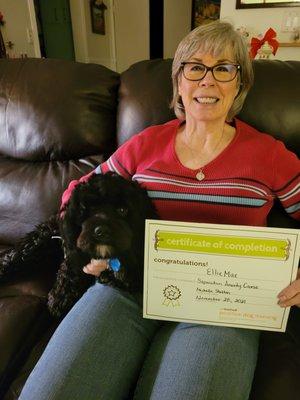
{"x": 277, "y": 371}
{"x": 23, "y": 320}
{"x": 55, "y": 117}
{"x": 30, "y": 191}
{"x": 55, "y": 109}
{"x": 273, "y": 103}
{"x": 144, "y": 97}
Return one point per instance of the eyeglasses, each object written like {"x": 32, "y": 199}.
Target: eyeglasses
{"x": 194, "y": 71}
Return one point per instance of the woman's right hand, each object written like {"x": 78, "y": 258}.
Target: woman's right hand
{"x": 95, "y": 267}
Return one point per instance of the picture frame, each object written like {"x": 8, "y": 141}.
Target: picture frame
{"x": 240, "y": 4}
{"x": 205, "y": 11}
{"x": 97, "y": 8}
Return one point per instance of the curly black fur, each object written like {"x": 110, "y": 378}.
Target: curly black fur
{"x": 105, "y": 218}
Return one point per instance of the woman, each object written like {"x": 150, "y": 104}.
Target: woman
{"x": 205, "y": 167}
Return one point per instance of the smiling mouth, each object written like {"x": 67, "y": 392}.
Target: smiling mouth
{"x": 206, "y": 100}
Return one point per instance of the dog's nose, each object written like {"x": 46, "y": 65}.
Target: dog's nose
{"x": 101, "y": 232}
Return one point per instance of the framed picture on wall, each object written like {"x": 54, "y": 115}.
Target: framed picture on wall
{"x": 205, "y": 11}
{"x": 266, "y": 3}
{"x": 97, "y": 8}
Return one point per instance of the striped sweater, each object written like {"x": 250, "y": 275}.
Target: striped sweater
{"x": 239, "y": 187}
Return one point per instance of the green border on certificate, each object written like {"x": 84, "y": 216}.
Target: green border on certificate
{"x": 214, "y": 274}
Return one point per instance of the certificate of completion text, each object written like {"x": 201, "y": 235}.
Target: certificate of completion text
{"x": 218, "y": 274}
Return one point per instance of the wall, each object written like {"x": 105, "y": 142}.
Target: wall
{"x": 99, "y": 46}
{"x": 131, "y": 32}
{"x": 129, "y": 41}
{"x": 91, "y": 47}
{"x": 259, "y": 20}
{"x": 79, "y": 29}
{"x": 16, "y": 15}
{"x": 177, "y": 24}
{"x": 127, "y": 33}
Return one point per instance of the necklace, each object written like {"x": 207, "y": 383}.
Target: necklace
{"x": 200, "y": 174}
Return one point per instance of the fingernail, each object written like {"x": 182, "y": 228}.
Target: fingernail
{"x": 281, "y": 296}
{"x": 281, "y": 301}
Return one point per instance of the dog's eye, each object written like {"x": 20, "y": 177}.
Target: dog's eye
{"x": 122, "y": 211}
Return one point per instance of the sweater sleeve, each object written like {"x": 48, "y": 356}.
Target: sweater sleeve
{"x": 286, "y": 170}
{"x": 123, "y": 162}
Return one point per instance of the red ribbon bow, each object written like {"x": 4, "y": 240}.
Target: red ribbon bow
{"x": 257, "y": 43}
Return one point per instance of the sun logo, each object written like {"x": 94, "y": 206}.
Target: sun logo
{"x": 171, "y": 295}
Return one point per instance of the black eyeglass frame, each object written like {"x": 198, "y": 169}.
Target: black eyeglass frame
{"x": 238, "y": 69}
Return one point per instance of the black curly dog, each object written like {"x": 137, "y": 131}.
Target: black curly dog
{"x": 105, "y": 218}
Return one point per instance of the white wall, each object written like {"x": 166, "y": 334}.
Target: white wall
{"x": 79, "y": 29}
{"x": 131, "y": 32}
{"x": 127, "y": 33}
{"x": 17, "y": 19}
{"x": 127, "y": 29}
{"x": 177, "y": 24}
{"x": 99, "y": 46}
{"x": 259, "y": 20}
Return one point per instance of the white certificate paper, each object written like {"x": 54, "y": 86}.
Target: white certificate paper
{"x": 223, "y": 275}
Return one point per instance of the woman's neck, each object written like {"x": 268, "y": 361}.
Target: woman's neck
{"x": 199, "y": 143}
{"x": 204, "y": 135}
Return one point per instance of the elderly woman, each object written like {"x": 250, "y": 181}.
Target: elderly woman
{"x": 204, "y": 166}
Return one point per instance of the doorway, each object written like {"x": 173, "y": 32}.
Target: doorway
{"x": 156, "y": 22}
{"x": 54, "y": 28}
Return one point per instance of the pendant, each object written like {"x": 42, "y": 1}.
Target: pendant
{"x": 200, "y": 175}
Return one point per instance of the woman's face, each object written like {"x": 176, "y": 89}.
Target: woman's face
{"x": 208, "y": 100}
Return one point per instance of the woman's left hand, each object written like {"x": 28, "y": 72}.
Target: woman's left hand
{"x": 290, "y": 296}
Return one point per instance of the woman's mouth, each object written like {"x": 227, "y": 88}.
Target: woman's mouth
{"x": 206, "y": 100}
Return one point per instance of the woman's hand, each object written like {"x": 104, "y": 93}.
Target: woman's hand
{"x": 95, "y": 267}
{"x": 290, "y": 296}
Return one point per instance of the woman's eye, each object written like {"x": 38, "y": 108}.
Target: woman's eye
{"x": 197, "y": 68}
{"x": 122, "y": 211}
{"x": 223, "y": 68}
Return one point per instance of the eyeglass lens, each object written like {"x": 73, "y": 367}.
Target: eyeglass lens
{"x": 221, "y": 72}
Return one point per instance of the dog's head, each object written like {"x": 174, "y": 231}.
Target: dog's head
{"x": 105, "y": 217}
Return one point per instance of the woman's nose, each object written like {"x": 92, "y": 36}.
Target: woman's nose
{"x": 208, "y": 80}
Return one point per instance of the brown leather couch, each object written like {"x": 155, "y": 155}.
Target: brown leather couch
{"x": 58, "y": 120}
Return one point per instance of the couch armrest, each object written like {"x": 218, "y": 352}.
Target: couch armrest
{"x": 23, "y": 319}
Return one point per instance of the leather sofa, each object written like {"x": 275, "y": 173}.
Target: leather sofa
{"x": 58, "y": 120}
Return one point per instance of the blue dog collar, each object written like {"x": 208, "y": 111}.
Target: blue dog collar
{"x": 114, "y": 264}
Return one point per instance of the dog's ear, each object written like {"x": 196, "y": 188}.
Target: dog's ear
{"x": 143, "y": 209}
{"x": 70, "y": 224}
{"x": 146, "y": 205}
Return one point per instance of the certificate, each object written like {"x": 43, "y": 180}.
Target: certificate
{"x": 223, "y": 275}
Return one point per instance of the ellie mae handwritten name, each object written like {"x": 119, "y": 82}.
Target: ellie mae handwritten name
{"x": 225, "y": 273}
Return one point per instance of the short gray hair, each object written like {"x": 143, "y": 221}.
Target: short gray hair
{"x": 212, "y": 39}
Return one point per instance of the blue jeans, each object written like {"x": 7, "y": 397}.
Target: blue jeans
{"x": 105, "y": 350}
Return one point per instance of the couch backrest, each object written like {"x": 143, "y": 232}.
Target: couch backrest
{"x": 57, "y": 120}
{"x": 144, "y": 96}
{"x": 272, "y": 105}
